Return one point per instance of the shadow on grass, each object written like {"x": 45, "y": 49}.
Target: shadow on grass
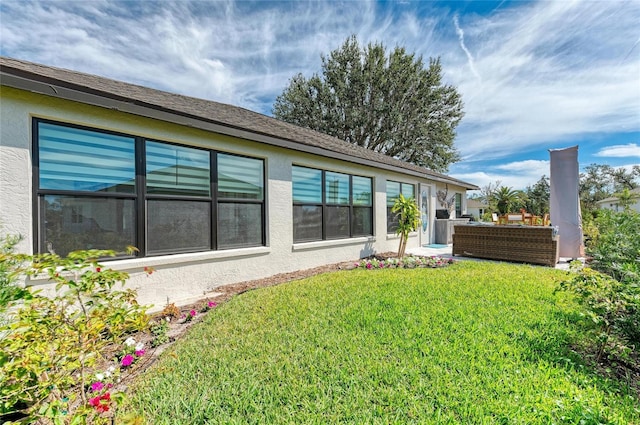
{"x": 574, "y": 349}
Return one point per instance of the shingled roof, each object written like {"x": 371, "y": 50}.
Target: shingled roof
{"x": 198, "y": 113}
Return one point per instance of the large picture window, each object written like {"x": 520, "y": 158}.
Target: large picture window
{"x": 394, "y": 189}
{"x": 330, "y": 205}
{"x": 102, "y": 190}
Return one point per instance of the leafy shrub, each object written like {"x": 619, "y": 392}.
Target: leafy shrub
{"x": 610, "y": 288}
{"x": 615, "y": 245}
{"x": 159, "y": 330}
{"x": 9, "y": 269}
{"x": 171, "y": 311}
{"x": 612, "y": 306}
{"x": 51, "y": 345}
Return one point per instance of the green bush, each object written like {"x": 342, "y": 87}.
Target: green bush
{"x": 9, "y": 269}
{"x": 612, "y": 306}
{"x": 610, "y": 288}
{"x": 615, "y": 245}
{"x": 51, "y": 346}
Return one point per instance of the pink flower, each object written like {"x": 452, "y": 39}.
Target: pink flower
{"x": 211, "y": 304}
{"x": 127, "y": 360}
{"x": 101, "y": 403}
{"x": 97, "y": 386}
{"x": 369, "y": 265}
{"x": 192, "y": 313}
{"x": 139, "y": 353}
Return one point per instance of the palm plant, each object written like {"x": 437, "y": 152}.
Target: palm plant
{"x": 408, "y": 220}
{"x": 507, "y": 199}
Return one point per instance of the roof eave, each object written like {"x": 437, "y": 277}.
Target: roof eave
{"x": 49, "y": 86}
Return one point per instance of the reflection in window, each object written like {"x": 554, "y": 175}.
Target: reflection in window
{"x": 72, "y": 223}
{"x": 178, "y": 226}
{"x": 347, "y": 210}
{"x": 240, "y": 177}
{"x": 177, "y": 170}
{"x": 307, "y": 185}
{"x": 337, "y": 188}
{"x": 88, "y": 196}
{"x": 80, "y": 160}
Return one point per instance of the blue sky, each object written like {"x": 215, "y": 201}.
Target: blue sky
{"x": 533, "y": 75}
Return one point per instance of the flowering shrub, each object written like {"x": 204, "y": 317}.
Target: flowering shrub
{"x": 407, "y": 262}
{"x": 208, "y": 306}
{"x": 190, "y": 315}
{"x": 51, "y": 345}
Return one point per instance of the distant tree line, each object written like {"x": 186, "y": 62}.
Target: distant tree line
{"x": 597, "y": 182}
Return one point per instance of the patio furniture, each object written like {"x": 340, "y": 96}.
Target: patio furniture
{"x": 511, "y": 218}
{"x": 525, "y": 244}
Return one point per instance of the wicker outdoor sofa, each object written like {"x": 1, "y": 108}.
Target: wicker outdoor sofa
{"x": 518, "y": 243}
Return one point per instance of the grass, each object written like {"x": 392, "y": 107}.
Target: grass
{"x": 474, "y": 343}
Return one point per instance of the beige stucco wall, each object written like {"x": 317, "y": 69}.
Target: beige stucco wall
{"x": 184, "y": 277}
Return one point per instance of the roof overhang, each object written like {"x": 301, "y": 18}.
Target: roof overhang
{"x": 68, "y": 91}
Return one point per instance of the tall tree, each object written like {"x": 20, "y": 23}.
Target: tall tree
{"x": 387, "y": 103}
{"x": 538, "y": 197}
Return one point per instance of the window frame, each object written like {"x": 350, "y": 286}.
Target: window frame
{"x": 325, "y": 206}
{"x": 140, "y": 196}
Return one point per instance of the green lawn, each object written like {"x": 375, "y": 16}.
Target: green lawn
{"x": 473, "y": 343}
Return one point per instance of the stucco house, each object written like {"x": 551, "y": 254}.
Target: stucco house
{"x": 477, "y": 208}
{"x": 210, "y": 194}
{"x": 613, "y": 203}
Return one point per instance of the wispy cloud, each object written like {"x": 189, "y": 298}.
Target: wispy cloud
{"x": 466, "y": 51}
{"x": 517, "y": 174}
{"x": 620, "y": 151}
{"x": 552, "y": 71}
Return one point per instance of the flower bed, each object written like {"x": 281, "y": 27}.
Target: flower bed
{"x": 406, "y": 262}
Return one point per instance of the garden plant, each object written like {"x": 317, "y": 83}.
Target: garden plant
{"x": 53, "y": 367}
{"x": 609, "y": 287}
{"x": 408, "y": 220}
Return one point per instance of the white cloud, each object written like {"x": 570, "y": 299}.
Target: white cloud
{"x": 517, "y": 174}
{"x": 466, "y": 51}
{"x": 526, "y": 167}
{"x": 551, "y": 71}
{"x": 620, "y": 151}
